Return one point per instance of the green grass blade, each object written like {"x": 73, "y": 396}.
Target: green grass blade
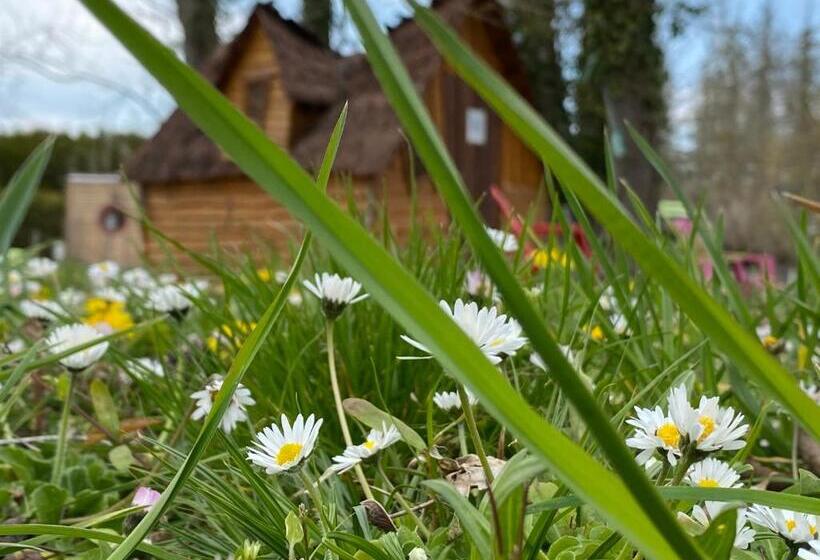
{"x": 473, "y": 522}
{"x": 417, "y": 124}
{"x": 78, "y": 533}
{"x": 386, "y": 281}
{"x": 793, "y": 502}
{"x": 19, "y": 193}
{"x": 714, "y": 321}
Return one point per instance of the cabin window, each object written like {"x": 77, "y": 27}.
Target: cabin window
{"x": 475, "y": 126}
{"x": 257, "y": 90}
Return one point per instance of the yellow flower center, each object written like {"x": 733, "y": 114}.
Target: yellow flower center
{"x": 770, "y": 341}
{"x": 708, "y": 424}
{"x": 288, "y": 453}
{"x": 669, "y": 434}
{"x": 708, "y": 483}
{"x": 369, "y": 445}
{"x": 790, "y": 525}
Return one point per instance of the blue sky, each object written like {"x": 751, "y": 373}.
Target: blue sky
{"x": 61, "y": 71}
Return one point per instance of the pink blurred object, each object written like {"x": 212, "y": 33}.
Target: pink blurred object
{"x": 750, "y": 270}
{"x": 145, "y": 497}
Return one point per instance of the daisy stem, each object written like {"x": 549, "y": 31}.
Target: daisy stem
{"x": 663, "y": 474}
{"x": 62, "y": 434}
{"x": 469, "y": 419}
{"x": 340, "y": 411}
{"x": 462, "y": 439}
{"x": 315, "y": 497}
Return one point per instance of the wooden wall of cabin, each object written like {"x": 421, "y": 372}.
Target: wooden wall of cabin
{"x": 239, "y": 215}
{"x": 258, "y": 64}
{"x": 519, "y": 172}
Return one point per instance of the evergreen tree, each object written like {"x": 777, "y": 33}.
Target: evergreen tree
{"x": 535, "y": 26}
{"x": 622, "y": 77}
{"x": 317, "y": 17}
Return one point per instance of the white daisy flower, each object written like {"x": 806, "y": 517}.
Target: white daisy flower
{"x": 13, "y": 346}
{"x": 138, "y": 279}
{"x": 717, "y": 427}
{"x": 375, "y": 442}
{"x": 744, "y": 535}
{"x": 14, "y": 283}
{"x": 712, "y": 473}
{"x": 451, "y": 401}
{"x": 417, "y": 553}
{"x": 655, "y": 431}
{"x": 147, "y": 365}
{"x": 235, "y": 413}
{"x": 607, "y": 300}
{"x": 101, "y": 273}
{"x": 620, "y": 324}
{"x": 169, "y": 299}
{"x": 281, "y": 450}
{"x": 280, "y": 276}
{"x": 40, "y": 267}
{"x": 67, "y": 337}
{"x": 566, "y": 350}
{"x": 335, "y": 292}
{"x": 812, "y": 391}
{"x": 792, "y": 526}
{"x": 812, "y": 553}
{"x": 71, "y": 297}
{"x": 505, "y": 241}
{"x": 167, "y": 278}
{"x": 710, "y": 426}
{"x": 495, "y": 335}
{"x": 42, "y": 310}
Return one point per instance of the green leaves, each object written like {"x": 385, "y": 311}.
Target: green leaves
{"x": 715, "y": 322}
{"x": 19, "y": 193}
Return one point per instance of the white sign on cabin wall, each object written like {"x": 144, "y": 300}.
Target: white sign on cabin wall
{"x": 475, "y": 126}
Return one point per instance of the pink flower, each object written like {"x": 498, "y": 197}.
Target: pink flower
{"x": 145, "y": 497}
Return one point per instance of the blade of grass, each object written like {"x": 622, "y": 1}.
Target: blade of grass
{"x": 386, "y": 281}
{"x": 77, "y": 533}
{"x": 402, "y": 94}
{"x": 19, "y": 193}
{"x": 714, "y": 321}
{"x": 793, "y": 502}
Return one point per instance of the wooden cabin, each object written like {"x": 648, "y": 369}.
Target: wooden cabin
{"x": 294, "y": 88}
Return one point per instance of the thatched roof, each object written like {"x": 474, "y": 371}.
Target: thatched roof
{"x": 315, "y": 76}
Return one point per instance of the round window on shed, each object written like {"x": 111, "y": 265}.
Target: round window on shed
{"x": 112, "y": 219}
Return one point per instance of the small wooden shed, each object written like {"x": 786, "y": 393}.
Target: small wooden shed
{"x": 100, "y": 224}
{"x": 294, "y": 89}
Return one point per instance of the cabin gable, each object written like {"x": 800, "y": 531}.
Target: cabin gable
{"x": 254, "y": 84}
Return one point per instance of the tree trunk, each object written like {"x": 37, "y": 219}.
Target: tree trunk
{"x": 198, "y": 19}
